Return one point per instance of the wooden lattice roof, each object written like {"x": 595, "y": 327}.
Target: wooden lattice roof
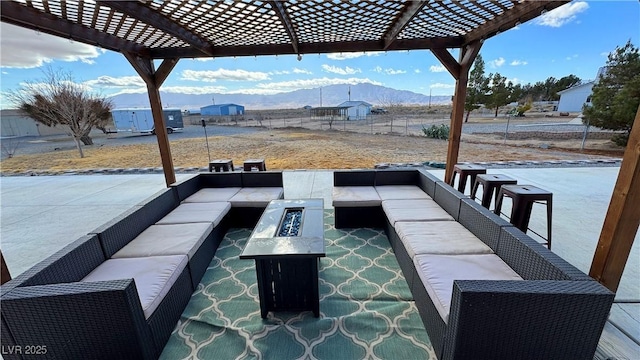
{"x": 163, "y": 29}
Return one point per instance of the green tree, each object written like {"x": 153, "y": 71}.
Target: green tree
{"x": 499, "y": 92}
{"x": 616, "y": 94}
{"x": 476, "y": 87}
{"x": 563, "y": 84}
{"x": 58, "y": 100}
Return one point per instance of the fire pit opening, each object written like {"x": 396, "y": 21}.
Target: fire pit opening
{"x": 291, "y": 221}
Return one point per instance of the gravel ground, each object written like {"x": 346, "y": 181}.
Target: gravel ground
{"x": 55, "y": 143}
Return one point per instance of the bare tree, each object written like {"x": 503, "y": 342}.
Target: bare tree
{"x": 390, "y": 102}
{"x": 58, "y": 100}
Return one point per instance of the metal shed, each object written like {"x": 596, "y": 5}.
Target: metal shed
{"x": 222, "y": 109}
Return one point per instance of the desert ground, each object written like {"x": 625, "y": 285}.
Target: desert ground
{"x": 320, "y": 148}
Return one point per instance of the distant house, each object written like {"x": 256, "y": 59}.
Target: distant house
{"x": 357, "y": 110}
{"x": 573, "y": 98}
{"x": 222, "y": 109}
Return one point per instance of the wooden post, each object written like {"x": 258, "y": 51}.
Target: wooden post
{"x": 622, "y": 219}
{"x": 460, "y": 71}
{"x": 154, "y": 79}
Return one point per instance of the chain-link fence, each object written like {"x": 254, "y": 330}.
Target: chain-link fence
{"x": 372, "y": 124}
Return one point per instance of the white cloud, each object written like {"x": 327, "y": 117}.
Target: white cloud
{"x": 442, "y": 86}
{"x": 605, "y": 54}
{"x": 574, "y": 56}
{"x": 106, "y": 81}
{"x": 352, "y": 55}
{"x": 24, "y": 48}
{"x": 388, "y": 71}
{"x": 518, "y": 62}
{"x": 338, "y": 70}
{"x": 224, "y": 74}
{"x": 276, "y": 87}
{"x": 279, "y": 72}
{"x": 198, "y": 90}
{"x": 515, "y": 81}
{"x": 301, "y": 71}
{"x": 437, "y": 68}
{"x": 497, "y": 62}
{"x": 562, "y": 15}
{"x": 417, "y": 71}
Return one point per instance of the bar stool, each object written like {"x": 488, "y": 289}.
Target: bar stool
{"x": 221, "y": 165}
{"x": 490, "y": 183}
{"x": 523, "y": 197}
{"x": 251, "y": 164}
{"x": 466, "y": 170}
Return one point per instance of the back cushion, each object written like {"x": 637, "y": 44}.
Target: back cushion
{"x": 397, "y": 177}
{"x": 354, "y": 178}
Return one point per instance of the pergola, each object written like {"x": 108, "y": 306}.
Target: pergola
{"x": 169, "y": 30}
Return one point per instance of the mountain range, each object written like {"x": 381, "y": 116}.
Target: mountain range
{"x": 332, "y": 95}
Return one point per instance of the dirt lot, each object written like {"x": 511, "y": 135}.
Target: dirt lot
{"x": 301, "y": 148}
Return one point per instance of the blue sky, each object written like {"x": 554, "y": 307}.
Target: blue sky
{"x": 573, "y": 39}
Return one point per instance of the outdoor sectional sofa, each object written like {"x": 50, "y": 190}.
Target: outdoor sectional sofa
{"x": 484, "y": 289}
{"x": 118, "y": 292}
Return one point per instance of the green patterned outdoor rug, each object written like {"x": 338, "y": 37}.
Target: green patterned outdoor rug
{"x": 366, "y": 308}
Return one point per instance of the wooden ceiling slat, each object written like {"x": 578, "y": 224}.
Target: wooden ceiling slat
{"x": 203, "y": 28}
{"x": 283, "y": 15}
{"x": 469, "y": 10}
{"x": 16, "y": 14}
{"x": 408, "y": 13}
{"x": 142, "y": 13}
{"x": 525, "y": 12}
{"x": 63, "y": 8}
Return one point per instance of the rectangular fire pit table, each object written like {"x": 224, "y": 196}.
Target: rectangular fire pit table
{"x": 286, "y": 245}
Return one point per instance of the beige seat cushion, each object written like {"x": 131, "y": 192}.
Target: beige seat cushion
{"x": 256, "y": 196}
{"x": 212, "y": 195}
{"x": 355, "y": 196}
{"x": 437, "y": 273}
{"x": 174, "y": 239}
{"x": 399, "y": 192}
{"x": 414, "y": 210}
{"x": 185, "y": 213}
{"x": 154, "y": 276}
{"x": 439, "y": 237}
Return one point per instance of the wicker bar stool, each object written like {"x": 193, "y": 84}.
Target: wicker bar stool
{"x": 221, "y": 165}
{"x": 491, "y": 183}
{"x": 251, "y": 164}
{"x": 523, "y": 197}
{"x": 466, "y": 170}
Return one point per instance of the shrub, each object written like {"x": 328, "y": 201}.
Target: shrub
{"x": 437, "y": 131}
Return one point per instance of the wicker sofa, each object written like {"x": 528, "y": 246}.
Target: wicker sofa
{"x": 118, "y": 292}
{"x": 484, "y": 289}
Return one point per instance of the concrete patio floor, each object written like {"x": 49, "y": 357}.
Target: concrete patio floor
{"x": 41, "y": 214}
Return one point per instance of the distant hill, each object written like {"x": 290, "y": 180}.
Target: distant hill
{"x": 331, "y": 96}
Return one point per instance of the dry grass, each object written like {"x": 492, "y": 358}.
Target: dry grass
{"x": 287, "y": 149}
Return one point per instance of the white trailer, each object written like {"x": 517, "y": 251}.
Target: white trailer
{"x": 141, "y": 120}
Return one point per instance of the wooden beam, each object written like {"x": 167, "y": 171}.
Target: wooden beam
{"x": 164, "y": 70}
{"x": 622, "y": 219}
{"x": 141, "y": 12}
{"x": 27, "y": 17}
{"x": 448, "y": 61}
{"x": 310, "y": 48}
{"x": 410, "y": 10}
{"x": 283, "y": 15}
{"x": 146, "y": 69}
{"x": 520, "y": 13}
{"x": 467, "y": 56}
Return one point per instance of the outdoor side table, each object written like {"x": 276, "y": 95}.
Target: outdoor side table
{"x": 221, "y": 165}
{"x": 523, "y": 197}
{"x": 491, "y": 183}
{"x": 258, "y": 164}
{"x": 466, "y": 170}
{"x": 286, "y": 245}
